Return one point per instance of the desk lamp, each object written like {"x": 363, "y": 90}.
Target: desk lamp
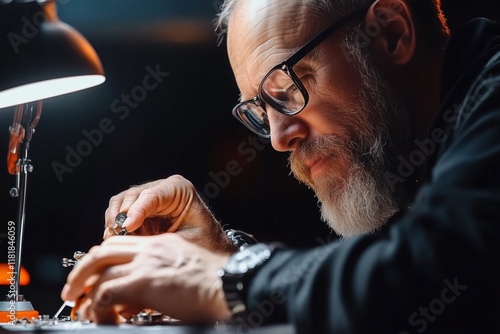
{"x": 40, "y": 57}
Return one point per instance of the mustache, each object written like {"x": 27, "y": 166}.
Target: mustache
{"x": 314, "y": 148}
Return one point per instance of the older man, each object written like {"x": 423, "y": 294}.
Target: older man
{"x": 393, "y": 123}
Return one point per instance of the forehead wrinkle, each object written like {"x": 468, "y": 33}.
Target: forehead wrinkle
{"x": 264, "y": 54}
{"x": 270, "y": 56}
{"x": 268, "y": 37}
{"x": 278, "y": 48}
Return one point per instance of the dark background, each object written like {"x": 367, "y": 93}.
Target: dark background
{"x": 184, "y": 126}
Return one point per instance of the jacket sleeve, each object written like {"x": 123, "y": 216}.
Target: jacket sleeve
{"x": 434, "y": 269}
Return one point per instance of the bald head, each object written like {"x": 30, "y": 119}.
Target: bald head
{"x": 328, "y": 9}
{"x": 265, "y": 32}
{"x": 427, "y": 12}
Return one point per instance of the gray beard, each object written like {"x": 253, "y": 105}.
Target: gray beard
{"x": 361, "y": 201}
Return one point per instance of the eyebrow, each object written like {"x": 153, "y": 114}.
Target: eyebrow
{"x": 304, "y": 65}
{"x": 240, "y": 97}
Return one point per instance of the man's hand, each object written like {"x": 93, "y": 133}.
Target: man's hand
{"x": 168, "y": 205}
{"x": 164, "y": 272}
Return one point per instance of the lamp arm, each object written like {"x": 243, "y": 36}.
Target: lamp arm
{"x": 16, "y": 137}
{"x": 22, "y": 130}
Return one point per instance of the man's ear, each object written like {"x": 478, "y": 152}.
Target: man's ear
{"x": 393, "y": 28}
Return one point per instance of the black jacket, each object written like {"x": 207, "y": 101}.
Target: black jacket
{"x": 435, "y": 267}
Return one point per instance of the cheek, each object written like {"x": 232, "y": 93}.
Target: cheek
{"x": 327, "y": 110}
{"x": 324, "y": 118}
{"x": 334, "y": 96}
{"x": 337, "y": 78}
{"x": 339, "y": 83}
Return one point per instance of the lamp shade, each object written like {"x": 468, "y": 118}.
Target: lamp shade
{"x": 40, "y": 56}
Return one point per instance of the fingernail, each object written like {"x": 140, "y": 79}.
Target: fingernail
{"x": 126, "y": 223}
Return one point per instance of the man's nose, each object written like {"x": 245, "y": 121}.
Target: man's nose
{"x": 287, "y": 132}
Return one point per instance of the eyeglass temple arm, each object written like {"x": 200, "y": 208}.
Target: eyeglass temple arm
{"x": 316, "y": 40}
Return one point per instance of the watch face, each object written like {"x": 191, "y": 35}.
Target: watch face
{"x": 247, "y": 259}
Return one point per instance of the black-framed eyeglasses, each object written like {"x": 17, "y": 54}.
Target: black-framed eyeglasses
{"x": 281, "y": 88}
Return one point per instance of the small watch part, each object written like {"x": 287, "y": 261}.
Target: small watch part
{"x": 77, "y": 256}
{"x": 148, "y": 317}
{"x": 119, "y": 220}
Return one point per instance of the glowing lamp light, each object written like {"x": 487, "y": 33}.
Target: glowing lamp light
{"x": 47, "y": 89}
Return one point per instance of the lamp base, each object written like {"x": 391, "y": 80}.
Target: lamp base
{"x": 11, "y": 310}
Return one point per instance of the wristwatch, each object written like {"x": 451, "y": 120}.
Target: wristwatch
{"x": 238, "y": 271}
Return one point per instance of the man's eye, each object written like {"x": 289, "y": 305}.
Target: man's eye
{"x": 279, "y": 94}
{"x": 292, "y": 89}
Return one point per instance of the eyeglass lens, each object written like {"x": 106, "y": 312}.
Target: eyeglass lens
{"x": 254, "y": 117}
{"x": 281, "y": 93}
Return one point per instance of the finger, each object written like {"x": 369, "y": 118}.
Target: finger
{"x": 104, "y": 315}
{"x": 115, "y": 205}
{"x": 98, "y": 258}
{"x": 145, "y": 205}
{"x": 77, "y": 304}
{"x": 109, "y": 216}
{"x": 107, "y": 233}
{"x": 101, "y": 315}
{"x": 115, "y": 296}
{"x": 113, "y": 273}
{"x": 141, "y": 208}
{"x": 81, "y": 310}
{"x": 173, "y": 197}
{"x": 123, "y": 201}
